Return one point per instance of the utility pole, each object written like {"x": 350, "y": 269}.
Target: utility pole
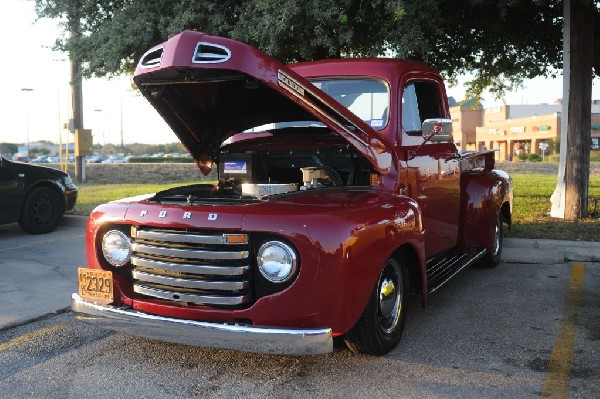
{"x": 76, "y": 91}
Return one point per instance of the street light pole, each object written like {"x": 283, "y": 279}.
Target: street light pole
{"x": 27, "y": 90}
{"x": 99, "y": 130}
{"x": 121, "y": 121}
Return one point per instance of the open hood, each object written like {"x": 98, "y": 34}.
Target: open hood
{"x": 209, "y": 88}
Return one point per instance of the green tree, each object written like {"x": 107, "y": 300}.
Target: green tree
{"x": 499, "y": 43}
{"x": 116, "y": 33}
{"x": 7, "y": 149}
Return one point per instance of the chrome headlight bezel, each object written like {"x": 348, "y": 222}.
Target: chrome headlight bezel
{"x": 277, "y": 261}
{"x": 116, "y": 248}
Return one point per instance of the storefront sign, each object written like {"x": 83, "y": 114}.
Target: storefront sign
{"x": 541, "y": 128}
{"x": 517, "y": 129}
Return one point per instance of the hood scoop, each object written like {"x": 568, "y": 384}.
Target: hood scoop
{"x": 210, "y": 53}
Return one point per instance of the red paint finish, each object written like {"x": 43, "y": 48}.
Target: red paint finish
{"x": 386, "y": 193}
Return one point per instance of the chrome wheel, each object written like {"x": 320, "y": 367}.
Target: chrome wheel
{"x": 390, "y": 298}
{"x": 492, "y": 256}
{"x": 381, "y": 324}
{"x": 497, "y": 238}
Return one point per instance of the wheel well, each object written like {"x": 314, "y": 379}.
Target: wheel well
{"x": 409, "y": 254}
{"x": 505, "y": 214}
{"x": 49, "y": 185}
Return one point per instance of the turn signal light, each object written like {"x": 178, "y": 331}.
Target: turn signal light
{"x": 236, "y": 238}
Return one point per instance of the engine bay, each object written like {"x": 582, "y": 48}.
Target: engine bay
{"x": 259, "y": 166}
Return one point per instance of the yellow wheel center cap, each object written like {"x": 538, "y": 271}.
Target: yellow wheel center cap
{"x": 387, "y": 288}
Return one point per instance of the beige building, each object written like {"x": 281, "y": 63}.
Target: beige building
{"x": 465, "y": 120}
{"x": 514, "y": 129}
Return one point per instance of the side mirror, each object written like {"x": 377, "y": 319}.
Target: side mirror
{"x": 437, "y": 129}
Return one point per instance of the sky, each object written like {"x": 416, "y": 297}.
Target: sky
{"x": 38, "y": 114}
{"x": 29, "y": 63}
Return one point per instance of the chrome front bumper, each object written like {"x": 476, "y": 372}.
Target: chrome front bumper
{"x": 198, "y": 333}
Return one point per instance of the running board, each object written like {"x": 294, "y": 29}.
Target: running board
{"x": 442, "y": 268}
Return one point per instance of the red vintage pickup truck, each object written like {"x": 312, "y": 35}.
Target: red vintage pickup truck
{"x": 340, "y": 192}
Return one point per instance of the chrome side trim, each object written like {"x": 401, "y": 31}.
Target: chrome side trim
{"x": 187, "y": 253}
{"x": 184, "y": 238}
{"x": 189, "y": 283}
{"x": 282, "y": 341}
{"x": 190, "y": 268}
{"x": 469, "y": 263}
{"x": 191, "y": 298}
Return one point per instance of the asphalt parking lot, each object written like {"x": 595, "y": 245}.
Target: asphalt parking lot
{"x": 39, "y": 271}
{"x": 528, "y": 328}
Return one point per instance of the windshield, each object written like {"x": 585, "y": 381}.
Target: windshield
{"x": 367, "y": 98}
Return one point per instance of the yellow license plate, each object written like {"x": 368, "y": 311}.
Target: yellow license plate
{"x": 95, "y": 284}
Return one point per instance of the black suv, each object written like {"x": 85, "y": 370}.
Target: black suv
{"x": 35, "y": 196}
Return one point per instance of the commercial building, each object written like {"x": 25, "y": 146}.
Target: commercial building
{"x": 515, "y": 129}
{"x": 465, "y": 119}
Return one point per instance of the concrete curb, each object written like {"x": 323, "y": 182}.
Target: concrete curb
{"x": 517, "y": 250}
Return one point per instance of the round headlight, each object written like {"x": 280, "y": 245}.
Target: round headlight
{"x": 116, "y": 248}
{"x": 276, "y": 261}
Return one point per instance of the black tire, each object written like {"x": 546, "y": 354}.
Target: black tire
{"x": 42, "y": 211}
{"x": 380, "y": 327}
{"x": 492, "y": 258}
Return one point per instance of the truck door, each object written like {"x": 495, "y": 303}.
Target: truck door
{"x": 433, "y": 171}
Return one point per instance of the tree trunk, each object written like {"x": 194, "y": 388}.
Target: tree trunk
{"x": 580, "y": 104}
{"x": 597, "y": 41}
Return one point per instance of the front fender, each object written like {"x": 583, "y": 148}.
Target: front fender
{"x": 343, "y": 239}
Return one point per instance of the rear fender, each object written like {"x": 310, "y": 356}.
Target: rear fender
{"x": 485, "y": 195}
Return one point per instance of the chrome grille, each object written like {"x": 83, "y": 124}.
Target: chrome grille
{"x": 191, "y": 268}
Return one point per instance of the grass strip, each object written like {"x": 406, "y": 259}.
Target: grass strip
{"x": 530, "y": 214}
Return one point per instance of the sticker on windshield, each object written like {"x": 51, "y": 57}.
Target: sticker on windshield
{"x": 234, "y": 167}
{"x": 376, "y": 122}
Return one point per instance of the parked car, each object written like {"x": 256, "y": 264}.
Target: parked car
{"x": 40, "y": 159}
{"x": 114, "y": 159}
{"x": 95, "y": 158}
{"x": 35, "y": 196}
